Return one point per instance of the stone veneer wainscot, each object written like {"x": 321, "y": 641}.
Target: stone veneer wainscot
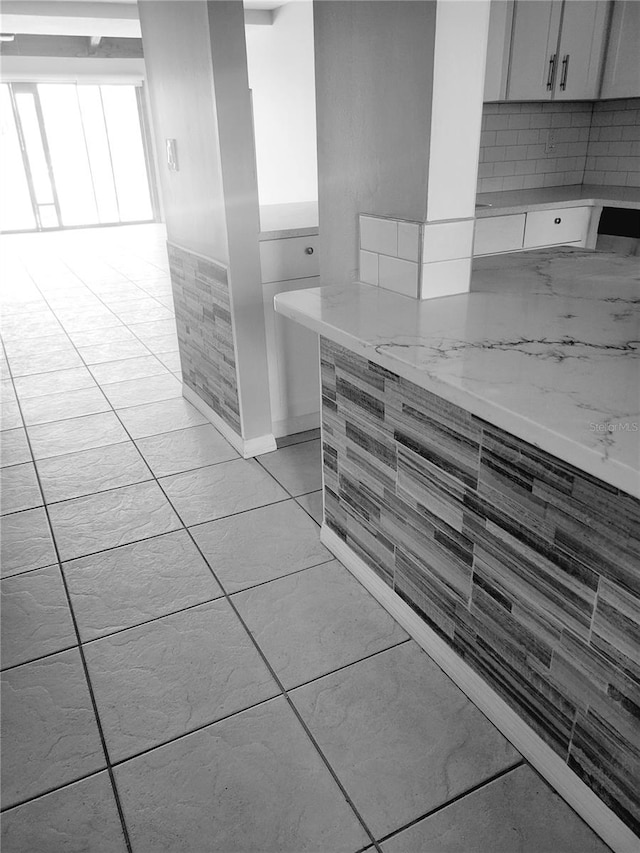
{"x": 205, "y": 331}
{"x": 524, "y": 565}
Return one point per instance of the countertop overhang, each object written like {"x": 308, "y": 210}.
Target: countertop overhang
{"x": 546, "y": 347}
{"x": 548, "y": 198}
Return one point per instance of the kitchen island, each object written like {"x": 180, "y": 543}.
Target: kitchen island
{"x": 480, "y": 458}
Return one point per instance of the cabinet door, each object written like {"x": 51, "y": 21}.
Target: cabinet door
{"x": 534, "y": 60}
{"x": 582, "y": 40}
{"x": 498, "y": 46}
{"x": 622, "y": 64}
{"x": 497, "y": 234}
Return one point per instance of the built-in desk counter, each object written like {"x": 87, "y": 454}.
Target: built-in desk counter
{"x": 548, "y": 198}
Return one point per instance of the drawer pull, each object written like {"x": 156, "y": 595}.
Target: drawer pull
{"x": 557, "y": 220}
{"x": 309, "y": 250}
{"x": 552, "y": 72}
{"x": 565, "y": 71}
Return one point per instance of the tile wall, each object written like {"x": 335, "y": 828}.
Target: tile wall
{"x": 419, "y": 259}
{"x": 613, "y": 154}
{"x": 389, "y": 254}
{"x": 205, "y": 333}
{"x": 514, "y": 154}
{"x": 524, "y": 565}
{"x": 595, "y": 143}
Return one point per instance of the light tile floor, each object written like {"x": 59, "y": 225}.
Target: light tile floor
{"x": 185, "y": 667}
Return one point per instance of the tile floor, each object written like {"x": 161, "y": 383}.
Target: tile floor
{"x": 185, "y": 667}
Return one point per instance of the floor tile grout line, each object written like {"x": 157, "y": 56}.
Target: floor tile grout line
{"x": 95, "y": 383}
{"x": 48, "y": 655}
{"x": 28, "y": 571}
{"x": 469, "y": 791}
{"x": 151, "y": 621}
{"x": 120, "y": 761}
{"x": 102, "y": 411}
{"x": 344, "y": 666}
{"x": 5, "y": 809}
{"x": 81, "y": 653}
{"x": 282, "y": 577}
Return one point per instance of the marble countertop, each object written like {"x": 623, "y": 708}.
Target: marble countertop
{"x": 519, "y": 201}
{"x": 297, "y": 219}
{"x": 547, "y": 347}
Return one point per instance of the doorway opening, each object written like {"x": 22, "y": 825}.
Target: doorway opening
{"x": 72, "y": 156}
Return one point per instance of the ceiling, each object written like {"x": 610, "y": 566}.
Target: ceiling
{"x": 114, "y": 18}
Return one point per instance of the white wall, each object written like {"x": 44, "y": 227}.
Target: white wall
{"x": 281, "y": 77}
{"x": 177, "y": 50}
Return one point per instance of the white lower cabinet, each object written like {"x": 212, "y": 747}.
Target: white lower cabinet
{"x": 621, "y": 78}
{"x": 288, "y": 258}
{"x": 556, "y": 227}
{"x": 498, "y": 234}
{"x": 495, "y": 235}
{"x": 294, "y": 364}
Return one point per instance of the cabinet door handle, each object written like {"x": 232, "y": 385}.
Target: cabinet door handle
{"x": 309, "y": 250}
{"x": 557, "y": 220}
{"x": 565, "y": 71}
{"x": 552, "y": 72}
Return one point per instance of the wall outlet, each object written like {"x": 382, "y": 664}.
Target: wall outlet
{"x": 550, "y": 144}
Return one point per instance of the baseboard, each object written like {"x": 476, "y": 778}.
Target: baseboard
{"x": 298, "y": 423}
{"x": 551, "y": 767}
{"x": 245, "y": 447}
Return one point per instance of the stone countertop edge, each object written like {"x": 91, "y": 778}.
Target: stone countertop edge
{"x": 285, "y": 233}
{"x": 548, "y": 198}
{"x": 474, "y": 350}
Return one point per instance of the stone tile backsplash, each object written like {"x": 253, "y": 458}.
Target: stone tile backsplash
{"x": 530, "y": 145}
{"x": 205, "y": 331}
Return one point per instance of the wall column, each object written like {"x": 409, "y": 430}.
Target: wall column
{"x": 195, "y": 56}
{"x": 399, "y": 106}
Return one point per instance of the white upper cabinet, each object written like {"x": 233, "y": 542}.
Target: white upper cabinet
{"x": 500, "y": 22}
{"x": 534, "y": 50}
{"x": 556, "y": 49}
{"x": 582, "y": 38}
{"x": 622, "y": 64}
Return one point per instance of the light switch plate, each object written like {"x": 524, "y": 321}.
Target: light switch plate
{"x": 172, "y": 154}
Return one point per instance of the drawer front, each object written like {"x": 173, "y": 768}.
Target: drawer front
{"x": 498, "y": 234}
{"x": 293, "y": 257}
{"x": 556, "y": 227}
